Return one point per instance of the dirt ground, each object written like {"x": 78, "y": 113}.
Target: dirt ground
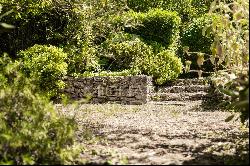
{"x": 158, "y": 133}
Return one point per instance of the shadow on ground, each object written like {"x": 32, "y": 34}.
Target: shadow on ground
{"x": 214, "y": 157}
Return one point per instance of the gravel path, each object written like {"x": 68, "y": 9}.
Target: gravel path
{"x": 156, "y": 133}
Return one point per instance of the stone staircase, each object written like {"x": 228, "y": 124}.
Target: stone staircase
{"x": 183, "y": 90}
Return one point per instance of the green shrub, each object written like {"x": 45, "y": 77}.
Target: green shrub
{"x": 156, "y": 25}
{"x": 193, "y": 37}
{"x": 186, "y": 9}
{"x": 81, "y": 59}
{"x": 164, "y": 66}
{"x": 122, "y": 50}
{"x": 235, "y": 85}
{"x": 75, "y": 26}
{"x": 61, "y": 23}
{"x": 31, "y": 132}
{"x": 128, "y": 52}
{"x": 46, "y": 65}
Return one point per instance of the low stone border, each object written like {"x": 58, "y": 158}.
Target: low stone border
{"x": 118, "y": 89}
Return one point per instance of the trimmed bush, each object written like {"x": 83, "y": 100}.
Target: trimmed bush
{"x": 157, "y": 25}
{"x": 122, "y": 50}
{"x": 186, "y": 9}
{"x": 164, "y": 66}
{"x": 46, "y": 65}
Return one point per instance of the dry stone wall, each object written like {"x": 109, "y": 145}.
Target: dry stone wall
{"x": 118, "y": 89}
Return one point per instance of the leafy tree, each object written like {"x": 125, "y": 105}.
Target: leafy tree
{"x": 230, "y": 50}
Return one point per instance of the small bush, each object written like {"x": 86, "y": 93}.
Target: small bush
{"x": 31, "y": 132}
{"x": 122, "y": 50}
{"x": 81, "y": 59}
{"x": 164, "y": 66}
{"x": 46, "y": 65}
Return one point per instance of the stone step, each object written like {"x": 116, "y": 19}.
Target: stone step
{"x": 178, "y": 96}
{"x": 178, "y": 103}
{"x": 183, "y": 89}
{"x": 186, "y": 82}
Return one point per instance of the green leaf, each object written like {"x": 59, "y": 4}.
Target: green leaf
{"x": 6, "y": 136}
{"x": 7, "y": 26}
{"x": 229, "y": 118}
{"x": 5, "y": 14}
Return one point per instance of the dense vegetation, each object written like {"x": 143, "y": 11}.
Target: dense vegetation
{"x": 31, "y": 132}
{"x": 86, "y": 29}
{"x": 42, "y": 41}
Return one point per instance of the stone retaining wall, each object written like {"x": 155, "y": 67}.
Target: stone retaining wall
{"x": 119, "y": 89}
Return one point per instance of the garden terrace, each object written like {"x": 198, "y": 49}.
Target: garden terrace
{"x": 136, "y": 89}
